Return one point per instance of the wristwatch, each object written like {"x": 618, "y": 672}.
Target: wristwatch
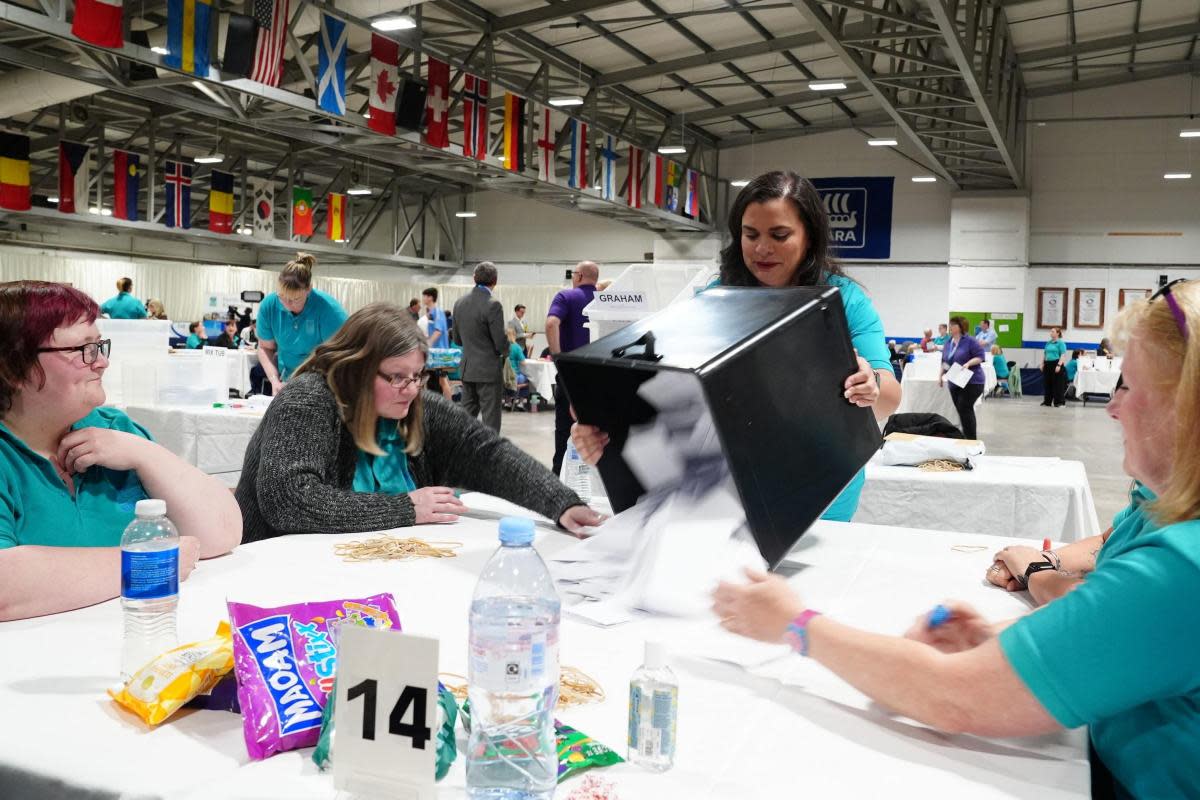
{"x": 1036, "y": 566}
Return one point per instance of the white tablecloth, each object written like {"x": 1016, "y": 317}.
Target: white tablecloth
{"x": 240, "y": 364}
{"x": 542, "y": 376}
{"x": 1094, "y": 381}
{"x": 920, "y": 396}
{"x": 1029, "y": 498}
{"x": 212, "y": 439}
{"x": 741, "y": 736}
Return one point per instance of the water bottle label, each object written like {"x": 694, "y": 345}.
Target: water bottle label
{"x": 150, "y": 575}
{"x": 519, "y": 668}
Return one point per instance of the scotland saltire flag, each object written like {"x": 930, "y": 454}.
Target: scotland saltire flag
{"x": 331, "y": 65}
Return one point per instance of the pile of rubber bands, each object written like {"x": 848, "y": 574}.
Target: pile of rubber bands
{"x": 391, "y": 548}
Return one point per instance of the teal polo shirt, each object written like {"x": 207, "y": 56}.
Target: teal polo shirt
{"x": 297, "y": 335}
{"x": 866, "y": 334}
{"x": 36, "y": 508}
{"x": 1055, "y": 350}
{"x": 1120, "y": 654}
{"x": 941, "y": 341}
{"x": 1072, "y": 368}
{"x": 123, "y": 306}
{"x": 194, "y": 342}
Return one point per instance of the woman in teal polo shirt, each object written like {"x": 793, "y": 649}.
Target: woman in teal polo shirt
{"x": 1119, "y": 653}
{"x": 72, "y": 471}
{"x": 780, "y": 238}
{"x": 294, "y": 320}
{"x": 1054, "y": 379}
{"x": 124, "y": 305}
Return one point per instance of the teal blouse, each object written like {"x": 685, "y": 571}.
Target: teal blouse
{"x": 389, "y": 473}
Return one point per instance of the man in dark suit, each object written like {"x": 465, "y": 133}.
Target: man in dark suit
{"x": 479, "y": 327}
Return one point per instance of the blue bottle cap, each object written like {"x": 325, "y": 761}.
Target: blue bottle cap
{"x": 516, "y": 531}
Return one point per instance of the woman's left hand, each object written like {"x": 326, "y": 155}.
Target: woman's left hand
{"x": 577, "y": 519}
{"x": 862, "y": 389}
{"x": 761, "y": 609}
{"x": 88, "y": 447}
{"x": 1017, "y": 559}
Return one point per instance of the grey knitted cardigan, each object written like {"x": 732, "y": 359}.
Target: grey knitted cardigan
{"x": 299, "y": 468}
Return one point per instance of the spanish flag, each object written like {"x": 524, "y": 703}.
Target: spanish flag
{"x": 14, "y": 171}
{"x": 514, "y": 132}
{"x": 336, "y": 218}
{"x": 220, "y": 202}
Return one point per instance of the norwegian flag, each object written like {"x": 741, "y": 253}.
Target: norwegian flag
{"x": 578, "y": 178}
{"x": 385, "y": 56}
{"x": 271, "y": 17}
{"x": 475, "y": 118}
{"x": 637, "y": 165}
{"x": 656, "y": 191}
{"x": 545, "y": 146}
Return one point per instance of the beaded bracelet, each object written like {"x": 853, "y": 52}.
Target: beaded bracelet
{"x": 796, "y": 634}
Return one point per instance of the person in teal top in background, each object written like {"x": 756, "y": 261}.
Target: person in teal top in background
{"x": 72, "y": 471}
{"x": 294, "y": 320}
{"x": 1118, "y": 653}
{"x": 943, "y": 336}
{"x": 999, "y": 363}
{"x": 123, "y": 305}
{"x": 1072, "y": 366}
{"x": 780, "y": 237}
{"x": 1054, "y": 379}
{"x": 516, "y": 356}
{"x": 196, "y": 337}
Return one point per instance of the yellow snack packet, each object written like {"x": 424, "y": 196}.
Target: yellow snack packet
{"x": 169, "y": 681}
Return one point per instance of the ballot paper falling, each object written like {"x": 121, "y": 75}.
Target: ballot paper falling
{"x": 666, "y": 554}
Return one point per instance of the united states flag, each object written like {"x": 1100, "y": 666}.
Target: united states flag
{"x": 272, "y": 19}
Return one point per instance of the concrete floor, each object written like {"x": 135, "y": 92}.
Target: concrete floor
{"x": 1009, "y": 427}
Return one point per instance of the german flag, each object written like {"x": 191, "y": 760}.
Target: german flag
{"x": 220, "y": 202}
{"x": 514, "y": 132}
{"x": 335, "y": 219}
{"x": 14, "y": 171}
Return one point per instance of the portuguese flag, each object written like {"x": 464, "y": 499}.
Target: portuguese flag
{"x": 302, "y": 212}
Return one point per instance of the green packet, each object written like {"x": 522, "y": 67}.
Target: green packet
{"x": 447, "y": 747}
{"x": 578, "y": 752}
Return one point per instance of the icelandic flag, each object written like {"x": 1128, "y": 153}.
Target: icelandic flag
{"x": 608, "y": 175}
{"x": 331, "y": 65}
{"x": 179, "y": 194}
{"x": 577, "y": 178}
{"x": 126, "y": 177}
{"x": 188, "y": 23}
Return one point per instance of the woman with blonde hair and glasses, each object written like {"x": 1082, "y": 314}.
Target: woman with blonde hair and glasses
{"x": 294, "y": 320}
{"x": 353, "y": 444}
{"x": 1119, "y": 653}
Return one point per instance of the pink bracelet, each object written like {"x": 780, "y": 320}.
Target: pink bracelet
{"x": 796, "y": 634}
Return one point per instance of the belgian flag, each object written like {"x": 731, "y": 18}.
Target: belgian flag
{"x": 14, "y": 171}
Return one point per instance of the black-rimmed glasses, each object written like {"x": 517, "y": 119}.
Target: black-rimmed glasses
{"x": 402, "y": 382}
{"x": 1165, "y": 293}
{"x": 90, "y": 350}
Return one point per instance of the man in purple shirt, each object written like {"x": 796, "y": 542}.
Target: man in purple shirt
{"x": 565, "y": 332}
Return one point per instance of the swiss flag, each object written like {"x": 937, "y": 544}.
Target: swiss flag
{"x": 98, "y": 22}
{"x": 437, "y": 128}
{"x": 385, "y": 55}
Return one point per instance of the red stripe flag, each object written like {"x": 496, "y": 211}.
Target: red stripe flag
{"x": 385, "y": 56}
{"x": 656, "y": 192}
{"x": 98, "y": 22}
{"x": 272, "y": 19}
{"x": 437, "y": 128}
{"x": 637, "y": 163}
{"x": 475, "y": 118}
{"x": 545, "y": 146}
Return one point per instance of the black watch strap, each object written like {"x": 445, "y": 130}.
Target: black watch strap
{"x": 1036, "y": 566}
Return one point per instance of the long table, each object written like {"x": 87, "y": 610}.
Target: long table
{"x": 212, "y": 439}
{"x": 743, "y": 733}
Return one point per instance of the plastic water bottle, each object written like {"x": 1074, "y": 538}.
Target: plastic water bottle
{"x": 653, "y": 710}
{"x": 579, "y": 473}
{"x": 513, "y": 673}
{"x": 149, "y": 585}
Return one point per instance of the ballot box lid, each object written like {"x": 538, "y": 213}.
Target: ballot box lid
{"x": 770, "y": 366}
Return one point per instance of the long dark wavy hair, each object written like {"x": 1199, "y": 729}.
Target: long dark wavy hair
{"x": 818, "y": 263}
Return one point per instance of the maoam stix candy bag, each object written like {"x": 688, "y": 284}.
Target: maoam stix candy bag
{"x": 285, "y": 659}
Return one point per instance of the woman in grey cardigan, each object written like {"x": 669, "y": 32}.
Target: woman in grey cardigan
{"x": 353, "y": 444}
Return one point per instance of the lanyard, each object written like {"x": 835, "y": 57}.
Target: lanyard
{"x": 950, "y": 355}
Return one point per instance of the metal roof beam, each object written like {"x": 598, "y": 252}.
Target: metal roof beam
{"x": 569, "y": 8}
{"x": 1110, "y": 43}
{"x": 1128, "y": 75}
{"x": 763, "y": 104}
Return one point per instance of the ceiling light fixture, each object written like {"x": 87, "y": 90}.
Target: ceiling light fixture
{"x": 924, "y": 179}
{"x": 672, "y": 150}
{"x": 359, "y": 190}
{"x": 106, "y": 212}
{"x": 466, "y": 214}
{"x": 211, "y": 158}
{"x": 52, "y": 199}
{"x": 882, "y": 142}
{"x": 827, "y": 86}
{"x": 562, "y": 101}
{"x": 162, "y": 51}
{"x": 402, "y": 22}
{"x": 740, "y": 182}
{"x": 246, "y": 231}
{"x": 1177, "y": 176}
{"x": 1190, "y": 133}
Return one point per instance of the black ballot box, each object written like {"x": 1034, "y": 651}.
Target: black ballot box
{"x": 769, "y": 366}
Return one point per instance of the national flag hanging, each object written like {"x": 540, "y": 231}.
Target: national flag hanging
{"x": 691, "y": 206}
{"x": 126, "y": 180}
{"x": 545, "y": 145}
{"x": 671, "y": 185}
{"x": 331, "y": 65}
{"x": 410, "y": 108}
{"x": 179, "y": 194}
{"x": 302, "y": 212}
{"x": 188, "y": 23}
{"x": 220, "y": 202}
{"x": 241, "y": 38}
{"x": 437, "y": 120}
{"x": 637, "y": 165}
{"x": 514, "y": 132}
{"x": 656, "y": 193}
{"x": 74, "y": 170}
{"x": 272, "y": 19}
{"x": 385, "y": 57}
{"x": 335, "y": 218}
{"x": 14, "y": 171}
{"x": 578, "y": 178}
{"x": 262, "y": 199}
{"x": 608, "y": 170}
{"x": 475, "y": 118}
{"x": 98, "y": 22}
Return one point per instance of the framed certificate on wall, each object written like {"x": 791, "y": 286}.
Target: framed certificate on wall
{"x": 1089, "y": 308}
{"x": 1052, "y": 307}
{"x": 1128, "y": 295}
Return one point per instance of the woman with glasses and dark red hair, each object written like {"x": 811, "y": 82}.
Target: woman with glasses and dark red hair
{"x": 72, "y": 471}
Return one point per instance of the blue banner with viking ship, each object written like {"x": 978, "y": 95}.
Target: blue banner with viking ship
{"x": 860, "y": 216}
